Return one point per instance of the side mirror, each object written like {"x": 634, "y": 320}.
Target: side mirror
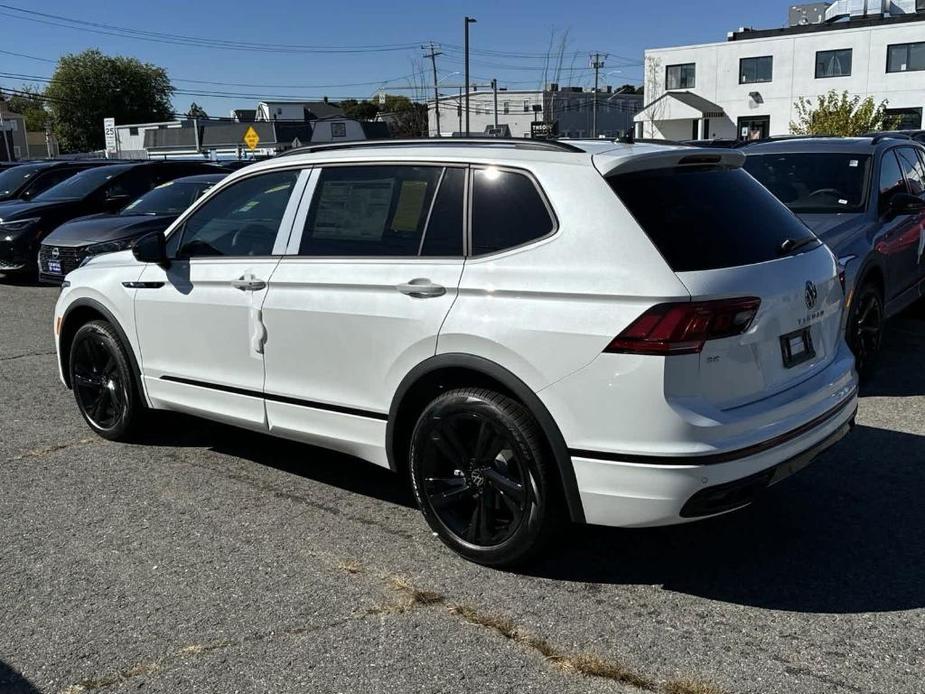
{"x": 152, "y": 248}
{"x": 906, "y": 203}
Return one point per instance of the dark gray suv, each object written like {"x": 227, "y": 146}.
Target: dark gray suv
{"x": 865, "y": 198}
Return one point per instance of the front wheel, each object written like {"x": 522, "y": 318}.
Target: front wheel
{"x": 481, "y": 477}
{"x": 101, "y": 377}
{"x": 865, "y": 328}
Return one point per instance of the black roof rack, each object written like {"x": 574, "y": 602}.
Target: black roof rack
{"x": 880, "y": 137}
{"x": 511, "y": 142}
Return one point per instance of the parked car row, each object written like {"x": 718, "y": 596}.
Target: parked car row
{"x": 86, "y": 189}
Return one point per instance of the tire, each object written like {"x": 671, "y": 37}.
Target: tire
{"x": 103, "y": 383}
{"x": 481, "y": 477}
{"x": 864, "y": 331}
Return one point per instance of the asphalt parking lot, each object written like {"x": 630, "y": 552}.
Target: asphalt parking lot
{"x": 208, "y": 559}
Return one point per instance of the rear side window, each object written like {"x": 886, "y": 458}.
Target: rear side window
{"x": 370, "y": 211}
{"x": 703, "y": 218}
{"x": 891, "y": 179}
{"x": 912, "y": 168}
{"x": 507, "y": 211}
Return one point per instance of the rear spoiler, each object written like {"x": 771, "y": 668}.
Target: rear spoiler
{"x": 618, "y": 162}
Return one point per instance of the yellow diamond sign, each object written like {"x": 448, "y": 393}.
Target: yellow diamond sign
{"x": 251, "y": 138}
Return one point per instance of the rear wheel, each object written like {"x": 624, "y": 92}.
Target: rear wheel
{"x": 481, "y": 477}
{"x": 101, "y": 378}
{"x": 865, "y": 328}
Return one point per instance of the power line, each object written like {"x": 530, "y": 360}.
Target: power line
{"x": 186, "y": 40}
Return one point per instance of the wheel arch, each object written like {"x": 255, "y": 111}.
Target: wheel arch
{"x": 80, "y": 312}
{"x": 445, "y": 371}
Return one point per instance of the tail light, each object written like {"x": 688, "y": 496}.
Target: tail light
{"x": 683, "y": 328}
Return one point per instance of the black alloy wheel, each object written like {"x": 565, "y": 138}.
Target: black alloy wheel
{"x": 480, "y": 477}
{"x": 102, "y": 381}
{"x": 865, "y": 328}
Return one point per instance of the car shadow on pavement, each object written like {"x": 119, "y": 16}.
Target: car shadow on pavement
{"x": 898, "y": 371}
{"x": 318, "y": 464}
{"x": 843, "y": 536}
{"x": 12, "y": 682}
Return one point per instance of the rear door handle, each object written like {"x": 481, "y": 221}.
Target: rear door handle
{"x": 422, "y": 288}
{"x": 248, "y": 283}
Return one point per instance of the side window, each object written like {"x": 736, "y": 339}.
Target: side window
{"x": 444, "y": 234}
{"x": 370, "y": 211}
{"x": 507, "y": 211}
{"x": 130, "y": 185}
{"x": 891, "y": 179}
{"x": 912, "y": 168}
{"x": 241, "y": 220}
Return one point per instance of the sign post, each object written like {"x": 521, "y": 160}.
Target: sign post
{"x": 112, "y": 143}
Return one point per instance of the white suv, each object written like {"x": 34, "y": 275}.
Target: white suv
{"x": 620, "y": 334}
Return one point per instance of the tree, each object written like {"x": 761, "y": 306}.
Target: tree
{"x": 361, "y": 110}
{"x": 29, "y": 102}
{"x": 407, "y": 118}
{"x": 196, "y": 111}
{"x": 841, "y": 115}
{"x": 90, "y": 86}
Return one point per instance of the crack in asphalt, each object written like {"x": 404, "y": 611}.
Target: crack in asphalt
{"x": 54, "y": 448}
{"x": 27, "y": 354}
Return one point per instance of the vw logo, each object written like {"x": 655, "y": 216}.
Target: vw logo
{"x": 811, "y": 294}
{"x": 55, "y": 252}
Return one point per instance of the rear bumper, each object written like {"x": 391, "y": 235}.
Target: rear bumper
{"x": 635, "y": 494}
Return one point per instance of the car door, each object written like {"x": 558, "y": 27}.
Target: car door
{"x": 198, "y": 321}
{"x": 371, "y": 273}
{"x": 897, "y": 240}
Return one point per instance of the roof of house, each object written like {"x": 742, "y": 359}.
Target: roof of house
{"x": 688, "y": 101}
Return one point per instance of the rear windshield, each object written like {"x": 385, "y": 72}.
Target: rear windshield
{"x": 703, "y": 218}
{"x": 819, "y": 182}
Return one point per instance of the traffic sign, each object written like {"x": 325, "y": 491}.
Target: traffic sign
{"x": 251, "y": 138}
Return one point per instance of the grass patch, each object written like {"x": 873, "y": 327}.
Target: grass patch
{"x": 691, "y": 686}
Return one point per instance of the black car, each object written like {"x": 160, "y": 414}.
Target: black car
{"x": 23, "y": 225}
{"x": 28, "y": 180}
{"x": 865, "y": 198}
{"x": 71, "y": 243}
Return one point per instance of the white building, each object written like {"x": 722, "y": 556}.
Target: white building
{"x": 747, "y": 85}
{"x": 516, "y": 112}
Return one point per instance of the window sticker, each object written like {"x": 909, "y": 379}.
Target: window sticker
{"x": 353, "y": 210}
{"x": 853, "y": 163}
{"x": 410, "y": 205}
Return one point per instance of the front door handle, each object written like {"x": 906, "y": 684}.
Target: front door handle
{"x": 422, "y": 288}
{"x": 248, "y": 283}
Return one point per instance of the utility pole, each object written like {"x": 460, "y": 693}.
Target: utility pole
{"x": 469, "y": 20}
{"x": 494, "y": 89}
{"x": 597, "y": 62}
{"x": 432, "y": 47}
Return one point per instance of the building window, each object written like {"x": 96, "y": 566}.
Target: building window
{"x": 905, "y": 57}
{"x": 526, "y": 106}
{"x": 133, "y": 130}
{"x": 833, "y": 63}
{"x": 753, "y": 70}
{"x": 680, "y": 76}
{"x": 909, "y": 118}
{"x": 507, "y": 106}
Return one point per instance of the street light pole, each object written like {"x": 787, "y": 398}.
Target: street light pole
{"x": 597, "y": 62}
{"x": 469, "y": 20}
{"x": 494, "y": 89}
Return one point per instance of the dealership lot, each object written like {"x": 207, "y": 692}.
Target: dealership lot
{"x": 213, "y": 559}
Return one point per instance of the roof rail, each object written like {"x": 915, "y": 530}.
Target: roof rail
{"x": 511, "y": 142}
{"x": 880, "y": 137}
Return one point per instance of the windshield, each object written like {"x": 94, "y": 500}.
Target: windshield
{"x": 81, "y": 185}
{"x": 13, "y": 179}
{"x": 814, "y": 182}
{"x": 169, "y": 198}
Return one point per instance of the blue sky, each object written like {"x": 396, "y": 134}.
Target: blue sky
{"x": 617, "y": 27}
